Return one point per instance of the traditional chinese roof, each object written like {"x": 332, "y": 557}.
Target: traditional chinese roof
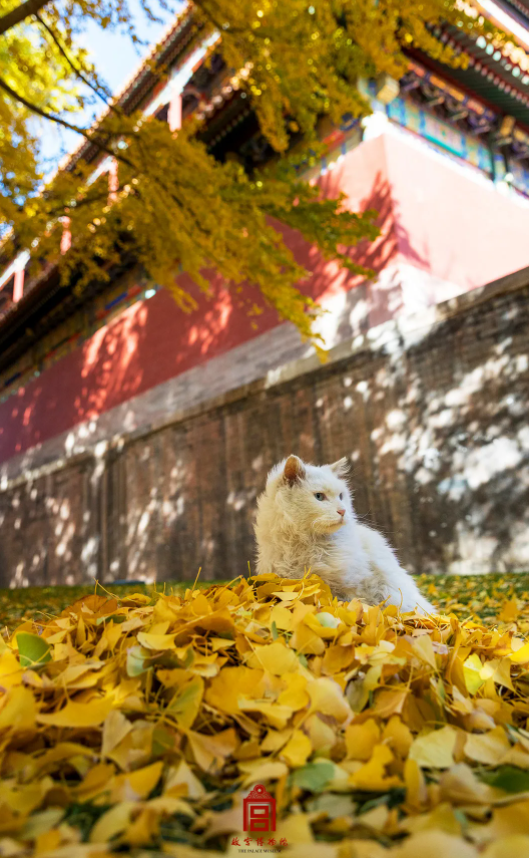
{"x": 495, "y": 84}
{"x": 498, "y": 77}
{"x": 259, "y": 793}
{"x": 520, "y": 8}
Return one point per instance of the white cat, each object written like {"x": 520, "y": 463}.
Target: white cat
{"x": 305, "y": 520}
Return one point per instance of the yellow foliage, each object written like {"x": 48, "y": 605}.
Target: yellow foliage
{"x": 176, "y": 208}
{"x": 297, "y": 750}
{"x": 160, "y": 749}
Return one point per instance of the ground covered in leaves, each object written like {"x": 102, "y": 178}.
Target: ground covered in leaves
{"x": 136, "y": 723}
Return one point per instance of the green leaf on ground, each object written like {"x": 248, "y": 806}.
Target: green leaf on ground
{"x": 508, "y": 778}
{"x": 314, "y": 776}
{"x": 34, "y": 650}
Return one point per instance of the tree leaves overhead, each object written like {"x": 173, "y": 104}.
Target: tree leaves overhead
{"x": 176, "y": 208}
{"x": 304, "y": 59}
{"x": 363, "y": 723}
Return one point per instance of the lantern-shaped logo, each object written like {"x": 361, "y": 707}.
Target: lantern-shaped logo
{"x": 259, "y": 809}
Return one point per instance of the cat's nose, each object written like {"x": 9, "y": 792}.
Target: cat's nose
{"x": 341, "y": 512}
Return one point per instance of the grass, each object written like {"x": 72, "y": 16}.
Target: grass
{"x": 477, "y": 596}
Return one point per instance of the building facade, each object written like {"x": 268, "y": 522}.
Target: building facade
{"x": 443, "y": 158}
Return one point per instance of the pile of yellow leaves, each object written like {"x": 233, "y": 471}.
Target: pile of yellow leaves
{"x": 138, "y": 726}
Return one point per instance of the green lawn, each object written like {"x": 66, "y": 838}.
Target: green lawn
{"x": 475, "y": 595}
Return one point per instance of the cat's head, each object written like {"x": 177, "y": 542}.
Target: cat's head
{"x": 313, "y": 498}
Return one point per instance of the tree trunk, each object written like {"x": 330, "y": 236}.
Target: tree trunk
{"x": 19, "y": 13}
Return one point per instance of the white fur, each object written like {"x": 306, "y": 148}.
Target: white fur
{"x": 296, "y": 532}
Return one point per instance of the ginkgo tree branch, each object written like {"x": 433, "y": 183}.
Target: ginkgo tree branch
{"x": 99, "y": 91}
{"x": 38, "y": 110}
{"x": 84, "y": 132}
{"x": 20, "y": 13}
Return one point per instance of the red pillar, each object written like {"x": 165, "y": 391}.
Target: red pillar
{"x": 66, "y": 237}
{"x": 174, "y": 117}
{"x": 18, "y": 286}
{"x": 113, "y": 181}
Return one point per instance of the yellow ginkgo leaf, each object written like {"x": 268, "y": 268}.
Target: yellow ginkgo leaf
{"x": 337, "y": 658}
{"x": 321, "y": 734}
{"x": 282, "y": 618}
{"x": 98, "y": 781}
{"x": 389, "y": 702}
{"x": 488, "y": 748}
{"x": 154, "y": 641}
{"x": 509, "y": 611}
{"x": 186, "y": 703}
{"x": 509, "y": 820}
{"x": 306, "y": 641}
{"x": 210, "y": 752}
{"x": 233, "y": 684}
{"x": 275, "y": 658}
{"x": 416, "y": 793}
{"x": 137, "y": 784}
{"x": 460, "y": 786}
{"x": 423, "y": 649}
{"x": 472, "y": 673}
{"x": 183, "y": 776}
{"x": 297, "y": 750}
{"x": 514, "y": 846}
{"x": 327, "y": 698}
{"x": 115, "y": 728}
{"x": 10, "y": 669}
{"x": 435, "y": 749}
{"x": 61, "y": 751}
{"x": 113, "y": 822}
{"x": 25, "y": 798}
{"x": 398, "y": 736}
{"x": 285, "y": 595}
{"x": 276, "y": 714}
{"x": 78, "y": 715}
{"x": 18, "y": 711}
{"x": 521, "y": 655}
{"x": 434, "y": 844}
{"x": 373, "y": 775}
{"x": 295, "y": 694}
{"x": 360, "y": 739}
{"x": 258, "y": 771}
{"x": 443, "y": 818}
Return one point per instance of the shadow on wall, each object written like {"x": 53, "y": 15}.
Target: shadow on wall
{"x": 447, "y": 474}
{"x": 376, "y": 301}
{"x": 394, "y": 237}
{"x": 435, "y": 428}
{"x": 154, "y": 340}
{"x": 465, "y": 448}
{"x": 50, "y": 530}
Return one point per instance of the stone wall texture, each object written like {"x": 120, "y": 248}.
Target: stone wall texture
{"x": 431, "y": 410}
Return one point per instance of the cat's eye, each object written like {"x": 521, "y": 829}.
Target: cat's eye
{"x": 319, "y": 496}
{"x": 341, "y": 495}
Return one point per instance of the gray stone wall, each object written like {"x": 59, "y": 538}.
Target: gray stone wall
{"x": 431, "y": 410}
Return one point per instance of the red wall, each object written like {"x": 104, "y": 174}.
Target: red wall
{"x": 463, "y": 231}
{"x": 431, "y": 215}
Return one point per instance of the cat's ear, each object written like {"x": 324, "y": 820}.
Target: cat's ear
{"x": 340, "y": 467}
{"x": 294, "y": 470}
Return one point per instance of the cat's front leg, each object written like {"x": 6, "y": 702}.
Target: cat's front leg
{"x": 397, "y": 586}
